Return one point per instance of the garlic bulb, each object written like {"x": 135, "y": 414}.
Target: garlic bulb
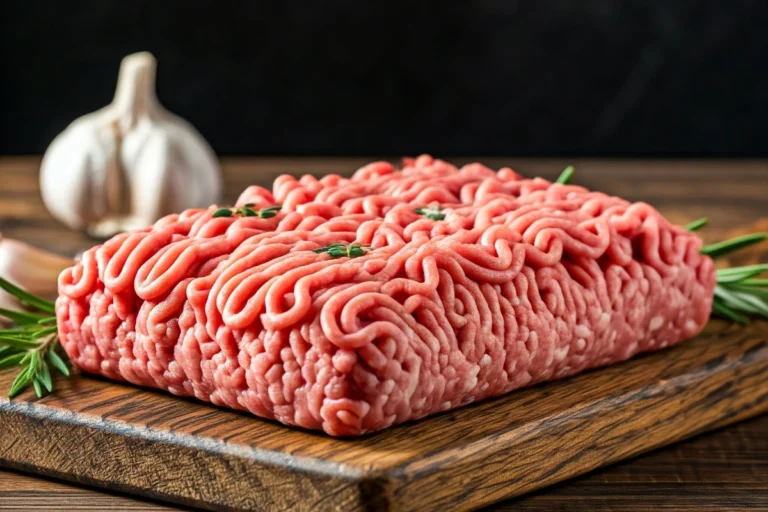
{"x": 130, "y": 163}
{"x": 33, "y": 269}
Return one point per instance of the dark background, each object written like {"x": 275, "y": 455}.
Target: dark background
{"x": 557, "y": 77}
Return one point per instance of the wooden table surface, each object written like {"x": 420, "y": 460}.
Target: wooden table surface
{"x": 725, "y": 470}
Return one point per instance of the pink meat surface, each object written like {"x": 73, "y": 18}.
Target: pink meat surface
{"x": 522, "y": 281}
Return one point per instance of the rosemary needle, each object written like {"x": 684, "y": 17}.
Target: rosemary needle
{"x": 566, "y": 176}
{"x": 697, "y": 224}
{"x": 727, "y": 246}
{"x": 27, "y": 298}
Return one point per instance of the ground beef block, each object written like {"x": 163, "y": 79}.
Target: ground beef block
{"x": 502, "y": 282}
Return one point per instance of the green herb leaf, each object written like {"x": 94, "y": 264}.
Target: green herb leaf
{"x": 337, "y": 252}
{"x": 30, "y": 343}
{"x": 24, "y": 333}
{"x": 738, "y": 301}
{"x": 697, "y": 224}
{"x": 34, "y": 361}
{"x": 758, "y": 305}
{"x": 433, "y": 213}
{"x": 755, "y": 282}
{"x": 6, "y": 351}
{"x": 763, "y": 267}
{"x": 757, "y": 291}
{"x": 738, "y": 275}
{"x": 327, "y": 248}
{"x": 12, "y": 360}
{"x": 355, "y": 251}
{"x": 44, "y": 331}
{"x": 737, "y": 293}
{"x": 27, "y": 298}
{"x": 248, "y": 211}
{"x": 343, "y": 251}
{"x": 44, "y": 376}
{"x": 38, "y": 388}
{"x": 222, "y": 212}
{"x": 724, "y": 311}
{"x": 566, "y": 176}
{"x": 21, "y": 381}
{"x": 58, "y": 362}
{"x": 19, "y": 343}
{"x": 721, "y": 248}
{"x": 22, "y": 318}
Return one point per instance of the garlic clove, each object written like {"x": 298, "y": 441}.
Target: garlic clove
{"x": 129, "y": 163}
{"x": 69, "y": 198}
{"x": 28, "y": 267}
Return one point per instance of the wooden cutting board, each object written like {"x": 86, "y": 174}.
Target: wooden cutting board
{"x": 146, "y": 442}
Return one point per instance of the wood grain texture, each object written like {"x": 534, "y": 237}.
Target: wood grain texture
{"x": 131, "y": 440}
{"x": 722, "y": 470}
{"x": 23, "y": 492}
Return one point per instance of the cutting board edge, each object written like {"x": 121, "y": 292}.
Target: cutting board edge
{"x": 44, "y": 459}
{"x": 34, "y": 410}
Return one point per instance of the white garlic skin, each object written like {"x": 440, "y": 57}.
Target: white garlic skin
{"x": 130, "y": 163}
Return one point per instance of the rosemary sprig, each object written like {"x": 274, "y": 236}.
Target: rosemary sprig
{"x": 737, "y": 294}
{"x": 566, "y": 176}
{"x": 31, "y": 343}
{"x": 343, "y": 251}
{"x": 433, "y": 212}
{"x": 247, "y": 211}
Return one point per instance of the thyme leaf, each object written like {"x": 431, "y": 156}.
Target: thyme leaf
{"x": 339, "y": 250}
{"x": 247, "y": 211}
{"x": 433, "y": 213}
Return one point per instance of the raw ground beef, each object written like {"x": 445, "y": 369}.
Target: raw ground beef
{"x": 522, "y": 281}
